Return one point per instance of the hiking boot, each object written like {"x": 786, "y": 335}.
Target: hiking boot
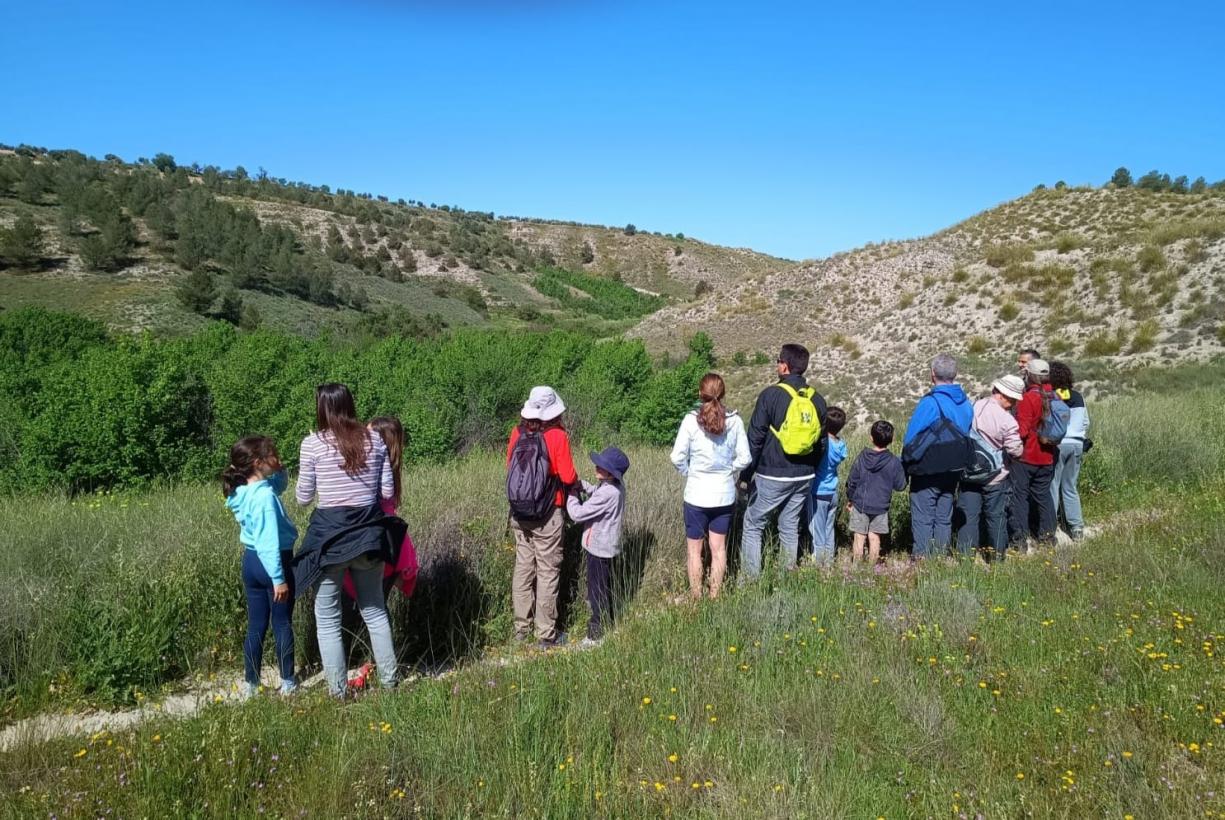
{"x": 554, "y": 643}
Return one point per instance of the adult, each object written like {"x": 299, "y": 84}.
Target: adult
{"x": 1064, "y": 484}
{"x": 1024, "y": 358}
{"x": 538, "y": 535}
{"x": 983, "y": 507}
{"x": 344, "y": 469}
{"x": 1032, "y": 510}
{"x": 780, "y": 481}
{"x": 711, "y": 448}
{"x": 931, "y": 494}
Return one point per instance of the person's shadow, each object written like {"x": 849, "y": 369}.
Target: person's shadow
{"x": 629, "y": 569}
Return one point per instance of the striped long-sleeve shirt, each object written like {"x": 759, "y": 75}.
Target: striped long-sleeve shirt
{"x": 322, "y": 473}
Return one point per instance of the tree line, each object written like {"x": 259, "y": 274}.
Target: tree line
{"x": 88, "y": 410}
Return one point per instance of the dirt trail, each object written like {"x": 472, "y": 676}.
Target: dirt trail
{"x": 54, "y": 725}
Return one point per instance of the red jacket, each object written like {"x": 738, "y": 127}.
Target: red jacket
{"x": 1029, "y": 418}
{"x": 561, "y": 463}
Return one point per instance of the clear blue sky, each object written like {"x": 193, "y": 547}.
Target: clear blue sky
{"x": 795, "y": 128}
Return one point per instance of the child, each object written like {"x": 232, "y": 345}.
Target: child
{"x": 252, "y": 484}
{"x": 876, "y": 475}
{"x": 824, "y": 499}
{"x": 602, "y": 512}
{"x": 403, "y": 573}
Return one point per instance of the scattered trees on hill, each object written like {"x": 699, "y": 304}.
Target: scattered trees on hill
{"x": 22, "y": 245}
{"x": 1156, "y": 181}
{"x": 1121, "y": 178}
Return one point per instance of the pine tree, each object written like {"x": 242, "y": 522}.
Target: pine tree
{"x": 1121, "y": 178}
{"x": 250, "y": 319}
{"x": 197, "y": 291}
{"x": 22, "y": 245}
{"x": 231, "y": 306}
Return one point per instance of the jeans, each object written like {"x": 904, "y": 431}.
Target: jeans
{"x": 599, "y": 594}
{"x": 983, "y": 514}
{"x": 1063, "y": 485}
{"x": 260, "y": 610}
{"x": 1032, "y": 508}
{"x": 931, "y": 513}
{"x": 537, "y": 576}
{"x": 821, "y": 526}
{"x": 367, "y": 574}
{"x": 768, "y": 495}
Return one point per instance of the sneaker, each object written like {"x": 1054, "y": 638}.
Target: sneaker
{"x": 289, "y": 686}
{"x": 590, "y": 643}
{"x": 250, "y": 690}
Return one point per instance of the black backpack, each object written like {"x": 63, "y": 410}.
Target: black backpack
{"x": 530, "y": 488}
{"x": 940, "y": 448}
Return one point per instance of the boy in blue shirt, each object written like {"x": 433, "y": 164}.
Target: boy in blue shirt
{"x": 823, "y": 506}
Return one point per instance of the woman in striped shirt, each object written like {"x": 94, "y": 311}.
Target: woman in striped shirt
{"x": 345, "y": 470}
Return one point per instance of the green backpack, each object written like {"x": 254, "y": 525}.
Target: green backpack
{"x": 801, "y": 428}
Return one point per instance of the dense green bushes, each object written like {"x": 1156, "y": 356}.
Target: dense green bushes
{"x": 596, "y": 295}
{"x": 82, "y": 411}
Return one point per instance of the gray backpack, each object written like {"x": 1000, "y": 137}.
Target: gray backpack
{"x": 987, "y": 459}
{"x": 529, "y": 486}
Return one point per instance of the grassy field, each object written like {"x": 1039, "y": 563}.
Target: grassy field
{"x": 1083, "y": 682}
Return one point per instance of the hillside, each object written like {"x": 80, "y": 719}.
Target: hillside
{"x": 1109, "y": 278}
{"x": 114, "y": 245}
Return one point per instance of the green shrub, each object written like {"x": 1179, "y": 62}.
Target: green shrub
{"x": 118, "y": 416}
{"x": 1145, "y": 336}
{"x": 1009, "y": 311}
{"x": 999, "y": 256}
{"x": 1068, "y": 242}
{"x": 905, "y": 300}
{"x": 603, "y": 297}
{"x": 1150, "y": 258}
{"x": 1103, "y": 344}
{"x": 976, "y": 346}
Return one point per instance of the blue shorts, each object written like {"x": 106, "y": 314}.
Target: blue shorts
{"x": 715, "y": 519}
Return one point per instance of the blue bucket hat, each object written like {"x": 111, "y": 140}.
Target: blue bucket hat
{"x": 612, "y": 461}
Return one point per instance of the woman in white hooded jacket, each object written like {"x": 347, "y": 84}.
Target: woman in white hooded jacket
{"x": 710, "y": 451}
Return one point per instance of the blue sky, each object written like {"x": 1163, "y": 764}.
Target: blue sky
{"x": 798, "y": 129}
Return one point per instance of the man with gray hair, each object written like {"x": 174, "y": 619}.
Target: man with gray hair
{"x": 932, "y": 491}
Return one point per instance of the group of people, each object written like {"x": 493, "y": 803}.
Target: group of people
{"x": 985, "y": 476}
{"x": 354, "y": 543}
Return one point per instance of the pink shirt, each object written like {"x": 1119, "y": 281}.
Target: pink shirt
{"x": 997, "y": 426}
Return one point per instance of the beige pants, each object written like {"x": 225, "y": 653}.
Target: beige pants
{"x": 538, "y": 554}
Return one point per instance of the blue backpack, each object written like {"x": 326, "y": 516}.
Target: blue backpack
{"x": 941, "y": 447}
{"x": 1055, "y": 418}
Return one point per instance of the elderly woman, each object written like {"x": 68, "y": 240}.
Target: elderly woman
{"x": 983, "y": 507}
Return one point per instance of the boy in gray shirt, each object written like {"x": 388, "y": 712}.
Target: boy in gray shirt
{"x": 603, "y": 513}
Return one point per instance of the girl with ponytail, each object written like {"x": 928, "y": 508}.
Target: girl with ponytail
{"x": 710, "y": 451}
{"x": 252, "y": 484}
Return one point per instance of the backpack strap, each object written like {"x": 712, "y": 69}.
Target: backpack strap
{"x": 791, "y": 391}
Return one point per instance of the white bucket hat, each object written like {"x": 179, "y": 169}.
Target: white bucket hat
{"x": 543, "y": 404}
{"x": 1010, "y": 385}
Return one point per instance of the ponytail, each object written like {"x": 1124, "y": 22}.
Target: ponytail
{"x": 712, "y": 417}
{"x": 243, "y": 457}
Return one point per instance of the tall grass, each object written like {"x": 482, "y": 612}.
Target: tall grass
{"x": 105, "y": 596}
{"x": 1079, "y": 684}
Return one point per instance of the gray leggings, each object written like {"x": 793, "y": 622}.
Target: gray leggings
{"x": 367, "y": 574}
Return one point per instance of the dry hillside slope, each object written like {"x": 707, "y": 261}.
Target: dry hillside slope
{"x": 1120, "y": 278}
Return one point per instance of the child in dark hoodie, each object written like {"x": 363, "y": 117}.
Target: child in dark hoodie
{"x": 876, "y": 475}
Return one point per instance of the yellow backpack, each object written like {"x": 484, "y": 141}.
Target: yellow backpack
{"x": 801, "y": 428}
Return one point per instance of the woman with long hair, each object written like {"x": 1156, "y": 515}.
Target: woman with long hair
{"x": 345, "y": 470}
{"x": 540, "y": 473}
{"x": 710, "y": 451}
{"x": 1065, "y": 485}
